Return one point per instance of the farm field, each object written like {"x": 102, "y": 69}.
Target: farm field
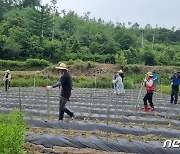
{"x": 103, "y": 122}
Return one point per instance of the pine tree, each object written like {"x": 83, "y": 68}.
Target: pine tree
{"x": 39, "y": 21}
{"x": 27, "y": 3}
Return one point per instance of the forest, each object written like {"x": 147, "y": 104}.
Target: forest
{"x": 29, "y": 29}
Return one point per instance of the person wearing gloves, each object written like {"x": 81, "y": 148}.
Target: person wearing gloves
{"x": 119, "y": 84}
{"x": 66, "y": 86}
{"x": 7, "y": 79}
{"x": 149, "y": 84}
{"x": 175, "y": 81}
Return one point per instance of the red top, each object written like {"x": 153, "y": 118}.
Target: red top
{"x": 150, "y": 84}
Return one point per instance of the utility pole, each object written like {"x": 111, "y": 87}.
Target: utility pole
{"x": 54, "y": 2}
{"x": 142, "y": 40}
{"x": 153, "y": 39}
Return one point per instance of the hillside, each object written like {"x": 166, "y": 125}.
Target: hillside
{"x": 73, "y": 37}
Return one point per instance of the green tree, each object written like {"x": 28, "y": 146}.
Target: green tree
{"x": 120, "y": 59}
{"x": 132, "y": 55}
{"x": 176, "y": 59}
{"x": 39, "y": 21}
{"x": 27, "y": 3}
{"x": 149, "y": 57}
{"x": 124, "y": 38}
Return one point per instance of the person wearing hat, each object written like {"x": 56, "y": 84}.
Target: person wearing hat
{"x": 175, "y": 81}
{"x": 121, "y": 73}
{"x": 66, "y": 83}
{"x": 149, "y": 84}
{"x": 7, "y": 79}
{"x": 119, "y": 89}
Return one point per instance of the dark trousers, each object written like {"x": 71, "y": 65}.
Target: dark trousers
{"x": 7, "y": 84}
{"x": 174, "y": 96}
{"x": 148, "y": 97}
{"x": 62, "y": 108}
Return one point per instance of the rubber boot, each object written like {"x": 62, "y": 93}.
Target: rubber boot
{"x": 145, "y": 108}
{"x": 152, "y": 109}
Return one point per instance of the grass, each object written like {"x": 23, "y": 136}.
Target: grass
{"x": 131, "y": 80}
{"x": 12, "y": 129}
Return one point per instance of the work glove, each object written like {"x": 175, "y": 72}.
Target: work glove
{"x": 145, "y": 80}
{"x": 48, "y": 87}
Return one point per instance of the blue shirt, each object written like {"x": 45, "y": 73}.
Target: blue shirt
{"x": 175, "y": 83}
{"x": 175, "y": 80}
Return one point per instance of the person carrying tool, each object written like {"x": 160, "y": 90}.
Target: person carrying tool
{"x": 149, "y": 84}
{"x": 7, "y": 79}
{"x": 119, "y": 89}
{"x": 175, "y": 81}
{"x": 66, "y": 83}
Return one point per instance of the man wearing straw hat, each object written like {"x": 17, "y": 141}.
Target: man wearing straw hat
{"x": 66, "y": 83}
{"x": 7, "y": 79}
{"x": 149, "y": 84}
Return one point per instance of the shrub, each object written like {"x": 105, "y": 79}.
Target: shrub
{"x": 12, "y": 129}
{"x": 70, "y": 62}
{"x": 128, "y": 84}
{"x": 149, "y": 58}
{"x": 37, "y": 63}
{"x": 19, "y": 65}
{"x": 7, "y": 64}
{"x": 79, "y": 64}
{"x": 135, "y": 68}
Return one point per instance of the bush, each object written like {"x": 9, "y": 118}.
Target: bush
{"x": 135, "y": 68}
{"x": 37, "y": 63}
{"x": 8, "y": 64}
{"x": 19, "y": 65}
{"x": 150, "y": 58}
{"x": 128, "y": 84}
{"x": 12, "y": 129}
{"x": 79, "y": 64}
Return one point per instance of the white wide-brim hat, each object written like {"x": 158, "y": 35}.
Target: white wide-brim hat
{"x": 149, "y": 74}
{"x": 7, "y": 71}
{"x": 120, "y": 71}
{"x": 62, "y": 66}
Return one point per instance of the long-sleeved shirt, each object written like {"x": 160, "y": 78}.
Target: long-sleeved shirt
{"x": 149, "y": 83}
{"x": 7, "y": 76}
{"x": 175, "y": 82}
{"x": 66, "y": 83}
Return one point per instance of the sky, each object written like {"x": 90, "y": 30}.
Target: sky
{"x": 164, "y": 13}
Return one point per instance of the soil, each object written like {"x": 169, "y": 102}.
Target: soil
{"x": 89, "y": 72}
{"x": 100, "y": 69}
{"x": 100, "y": 134}
{"x": 38, "y": 149}
{"x": 111, "y": 68}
